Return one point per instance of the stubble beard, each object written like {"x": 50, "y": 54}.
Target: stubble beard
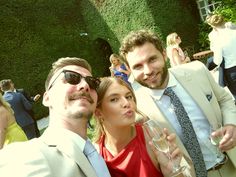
{"x": 157, "y": 85}
{"x": 81, "y": 115}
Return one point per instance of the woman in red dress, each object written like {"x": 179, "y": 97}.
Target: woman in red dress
{"x": 122, "y": 142}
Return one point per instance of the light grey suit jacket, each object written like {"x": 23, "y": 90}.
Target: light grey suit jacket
{"x": 199, "y": 83}
{"x": 47, "y": 156}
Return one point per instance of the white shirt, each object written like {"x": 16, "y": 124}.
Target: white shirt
{"x": 223, "y": 42}
{"x": 199, "y": 122}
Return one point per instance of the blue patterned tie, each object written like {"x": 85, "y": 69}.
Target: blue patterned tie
{"x": 189, "y": 137}
{"x": 96, "y": 160}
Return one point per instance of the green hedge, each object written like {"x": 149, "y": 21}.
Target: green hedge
{"x": 228, "y": 10}
{"x": 33, "y": 34}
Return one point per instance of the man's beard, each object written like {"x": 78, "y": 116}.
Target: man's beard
{"x": 87, "y": 115}
{"x": 163, "y": 78}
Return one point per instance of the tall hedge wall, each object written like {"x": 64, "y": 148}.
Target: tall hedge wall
{"x": 33, "y": 34}
{"x": 113, "y": 19}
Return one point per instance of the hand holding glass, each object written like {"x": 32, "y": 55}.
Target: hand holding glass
{"x": 215, "y": 140}
{"x": 158, "y": 137}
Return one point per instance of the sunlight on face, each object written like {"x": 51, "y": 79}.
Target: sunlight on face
{"x": 72, "y": 100}
{"x": 118, "y": 106}
{"x": 148, "y": 66}
{"x": 115, "y": 61}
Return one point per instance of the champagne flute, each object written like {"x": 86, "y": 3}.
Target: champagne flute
{"x": 155, "y": 132}
{"x": 215, "y": 140}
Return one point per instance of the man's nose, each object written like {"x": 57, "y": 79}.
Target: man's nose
{"x": 147, "y": 69}
{"x": 83, "y": 85}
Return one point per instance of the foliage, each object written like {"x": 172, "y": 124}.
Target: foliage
{"x": 111, "y": 20}
{"x": 228, "y": 10}
{"x": 33, "y": 34}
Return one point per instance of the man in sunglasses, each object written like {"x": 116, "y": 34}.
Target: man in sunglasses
{"x": 62, "y": 150}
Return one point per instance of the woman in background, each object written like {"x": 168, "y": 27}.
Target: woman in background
{"x": 174, "y": 52}
{"x": 122, "y": 143}
{"x": 222, "y": 43}
{"x": 119, "y": 69}
{"x": 10, "y": 131}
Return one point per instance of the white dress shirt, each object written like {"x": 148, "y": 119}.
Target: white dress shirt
{"x": 223, "y": 42}
{"x": 199, "y": 122}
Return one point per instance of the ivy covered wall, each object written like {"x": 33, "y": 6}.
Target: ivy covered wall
{"x": 33, "y": 34}
{"x": 113, "y": 19}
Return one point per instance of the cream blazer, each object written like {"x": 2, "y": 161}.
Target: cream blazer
{"x": 45, "y": 157}
{"x": 198, "y": 82}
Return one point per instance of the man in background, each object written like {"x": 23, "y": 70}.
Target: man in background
{"x": 21, "y": 107}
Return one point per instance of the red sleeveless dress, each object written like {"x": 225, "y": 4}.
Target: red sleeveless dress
{"x": 132, "y": 161}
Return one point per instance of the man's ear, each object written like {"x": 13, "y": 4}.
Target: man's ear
{"x": 164, "y": 54}
{"x": 46, "y": 99}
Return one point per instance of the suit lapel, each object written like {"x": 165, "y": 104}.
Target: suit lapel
{"x": 197, "y": 93}
{"x": 153, "y": 112}
{"x": 70, "y": 149}
{"x": 77, "y": 155}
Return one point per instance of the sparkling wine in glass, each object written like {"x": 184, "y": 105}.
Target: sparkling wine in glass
{"x": 158, "y": 137}
{"x": 160, "y": 143}
{"x": 215, "y": 140}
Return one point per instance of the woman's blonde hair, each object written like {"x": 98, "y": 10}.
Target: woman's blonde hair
{"x": 106, "y": 82}
{"x": 215, "y": 20}
{"x": 171, "y": 39}
{"x": 118, "y": 57}
{"x": 5, "y": 104}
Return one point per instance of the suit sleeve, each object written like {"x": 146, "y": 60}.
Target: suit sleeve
{"x": 26, "y": 103}
{"x": 16, "y": 162}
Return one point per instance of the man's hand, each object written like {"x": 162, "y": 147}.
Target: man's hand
{"x": 36, "y": 97}
{"x": 229, "y": 137}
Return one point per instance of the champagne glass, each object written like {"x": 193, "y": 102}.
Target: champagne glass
{"x": 155, "y": 132}
{"x": 215, "y": 140}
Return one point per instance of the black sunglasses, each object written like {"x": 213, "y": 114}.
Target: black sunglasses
{"x": 74, "y": 78}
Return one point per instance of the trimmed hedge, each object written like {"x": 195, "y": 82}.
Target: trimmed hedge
{"x": 33, "y": 34}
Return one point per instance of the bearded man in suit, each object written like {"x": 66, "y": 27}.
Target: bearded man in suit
{"x": 204, "y": 102}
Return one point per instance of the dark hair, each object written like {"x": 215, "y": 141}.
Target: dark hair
{"x": 6, "y": 84}
{"x": 62, "y": 62}
{"x": 139, "y": 38}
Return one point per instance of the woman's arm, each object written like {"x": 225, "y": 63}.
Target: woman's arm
{"x": 125, "y": 69}
{"x": 111, "y": 68}
{"x": 177, "y": 59}
{"x": 3, "y": 125}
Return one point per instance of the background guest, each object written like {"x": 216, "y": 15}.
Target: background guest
{"x": 118, "y": 68}
{"x": 222, "y": 43}
{"x": 174, "y": 52}
{"x": 10, "y": 131}
{"x": 20, "y": 106}
{"x": 31, "y": 99}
